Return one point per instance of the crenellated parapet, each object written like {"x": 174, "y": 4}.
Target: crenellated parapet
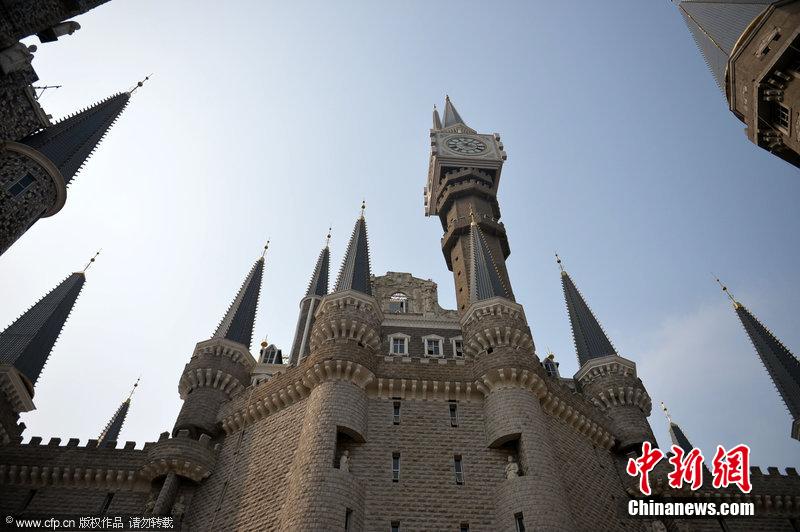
{"x": 496, "y": 333}
{"x": 187, "y": 457}
{"x": 347, "y": 325}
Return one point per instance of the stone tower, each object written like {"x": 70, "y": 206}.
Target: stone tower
{"x": 607, "y": 379}
{"x": 781, "y": 365}
{"x": 35, "y": 172}
{"x": 753, "y": 50}
{"x": 463, "y": 178}
{"x": 25, "y": 346}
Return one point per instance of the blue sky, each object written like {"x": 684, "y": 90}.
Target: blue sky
{"x": 276, "y": 119}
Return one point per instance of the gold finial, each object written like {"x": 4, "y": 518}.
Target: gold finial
{"x": 666, "y": 412}
{"x": 471, "y": 216}
{"x": 558, "y": 261}
{"x": 727, "y": 292}
{"x": 550, "y": 354}
{"x": 91, "y": 260}
{"x": 135, "y": 384}
{"x": 266, "y": 247}
{"x": 264, "y": 342}
{"x": 328, "y": 237}
{"x": 363, "y": 207}
{"x": 139, "y": 84}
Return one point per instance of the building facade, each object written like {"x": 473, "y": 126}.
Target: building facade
{"x": 752, "y": 48}
{"x": 392, "y": 412}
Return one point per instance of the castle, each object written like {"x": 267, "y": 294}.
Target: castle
{"x": 390, "y": 411}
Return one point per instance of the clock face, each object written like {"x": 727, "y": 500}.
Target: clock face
{"x": 466, "y": 145}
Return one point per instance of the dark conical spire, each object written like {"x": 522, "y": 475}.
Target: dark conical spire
{"x": 27, "y": 343}
{"x": 676, "y": 433}
{"x": 355, "y": 272}
{"x": 451, "y": 116}
{"x": 237, "y": 324}
{"x": 782, "y": 366}
{"x": 485, "y": 280}
{"x": 716, "y": 26}
{"x": 318, "y": 286}
{"x": 70, "y": 142}
{"x": 437, "y": 122}
{"x": 114, "y": 425}
{"x": 590, "y": 339}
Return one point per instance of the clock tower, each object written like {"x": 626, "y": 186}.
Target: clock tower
{"x": 463, "y": 178}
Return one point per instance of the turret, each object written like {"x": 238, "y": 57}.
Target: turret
{"x": 781, "y": 365}
{"x": 114, "y": 426}
{"x": 36, "y": 171}
{"x": 25, "y": 346}
{"x": 317, "y": 289}
{"x": 220, "y": 367}
{"x": 605, "y": 378}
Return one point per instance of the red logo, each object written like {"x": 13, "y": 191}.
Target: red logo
{"x": 732, "y": 467}
{"x": 687, "y": 467}
{"x": 643, "y": 465}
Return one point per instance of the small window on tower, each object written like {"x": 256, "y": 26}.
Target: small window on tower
{"x": 520, "y": 522}
{"x": 458, "y": 347}
{"x": 459, "y": 469}
{"x": 396, "y": 467}
{"x": 398, "y": 346}
{"x": 21, "y": 185}
{"x": 433, "y": 347}
{"x": 453, "y": 414}
{"x": 396, "y": 413}
{"x": 398, "y": 303}
{"x": 395, "y": 526}
{"x": 782, "y": 116}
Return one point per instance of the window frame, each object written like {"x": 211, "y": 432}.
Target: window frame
{"x": 403, "y": 302}
{"x": 458, "y": 469}
{"x": 453, "y": 345}
{"x": 396, "y": 470}
{"x": 519, "y": 522}
{"x": 429, "y": 339}
{"x": 780, "y": 110}
{"x": 396, "y": 411}
{"x": 399, "y": 336}
{"x": 452, "y": 408}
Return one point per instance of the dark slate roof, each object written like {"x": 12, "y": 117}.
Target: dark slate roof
{"x": 114, "y": 426}
{"x": 70, "y": 142}
{"x": 590, "y": 340}
{"x": 318, "y": 286}
{"x": 355, "y": 272}
{"x": 271, "y": 354}
{"x": 716, "y": 25}
{"x": 237, "y": 324}
{"x": 782, "y": 366}
{"x": 28, "y": 342}
{"x": 451, "y": 116}
{"x": 679, "y": 438}
{"x": 485, "y": 281}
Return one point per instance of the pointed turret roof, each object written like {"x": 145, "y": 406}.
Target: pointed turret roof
{"x": 676, "y": 433}
{"x": 451, "y": 116}
{"x": 27, "y": 343}
{"x": 237, "y": 324}
{"x": 716, "y": 26}
{"x": 318, "y": 286}
{"x": 782, "y": 366}
{"x": 355, "y": 272}
{"x": 437, "y": 122}
{"x": 114, "y": 425}
{"x": 485, "y": 280}
{"x": 590, "y": 339}
{"x": 70, "y": 142}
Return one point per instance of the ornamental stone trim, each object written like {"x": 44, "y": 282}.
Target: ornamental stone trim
{"x": 624, "y": 395}
{"x": 225, "y": 348}
{"x": 182, "y": 455}
{"x": 611, "y": 364}
{"x": 14, "y": 388}
{"x": 209, "y": 378}
{"x": 66, "y": 476}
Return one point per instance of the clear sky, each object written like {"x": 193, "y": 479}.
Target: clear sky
{"x": 275, "y": 119}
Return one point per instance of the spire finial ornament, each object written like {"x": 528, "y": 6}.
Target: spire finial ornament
{"x": 727, "y": 292}
{"x": 135, "y": 384}
{"x": 266, "y": 247}
{"x": 666, "y": 412}
{"x": 363, "y": 207}
{"x": 471, "y": 216}
{"x": 91, "y": 260}
{"x": 139, "y": 84}
{"x": 558, "y": 261}
{"x": 328, "y": 237}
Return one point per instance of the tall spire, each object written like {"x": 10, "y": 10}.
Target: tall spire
{"x": 716, "y": 27}
{"x": 318, "y": 286}
{"x": 237, "y": 324}
{"x": 451, "y": 116}
{"x": 355, "y": 272}
{"x": 485, "y": 280}
{"x": 782, "y": 366}
{"x": 437, "y": 122}
{"x": 70, "y": 142}
{"x": 27, "y": 343}
{"x": 590, "y": 339}
{"x": 114, "y": 425}
{"x": 676, "y": 433}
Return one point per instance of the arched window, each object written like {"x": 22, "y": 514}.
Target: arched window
{"x": 398, "y": 303}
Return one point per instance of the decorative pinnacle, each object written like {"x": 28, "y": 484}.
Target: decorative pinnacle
{"x": 471, "y": 216}
{"x": 91, "y": 260}
{"x": 264, "y": 342}
{"x": 727, "y": 292}
{"x": 328, "y": 237}
{"x": 363, "y": 207}
{"x": 266, "y": 247}
{"x": 139, "y": 84}
{"x": 558, "y": 261}
{"x": 135, "y": 384}
{"x": 666, "y": 412}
